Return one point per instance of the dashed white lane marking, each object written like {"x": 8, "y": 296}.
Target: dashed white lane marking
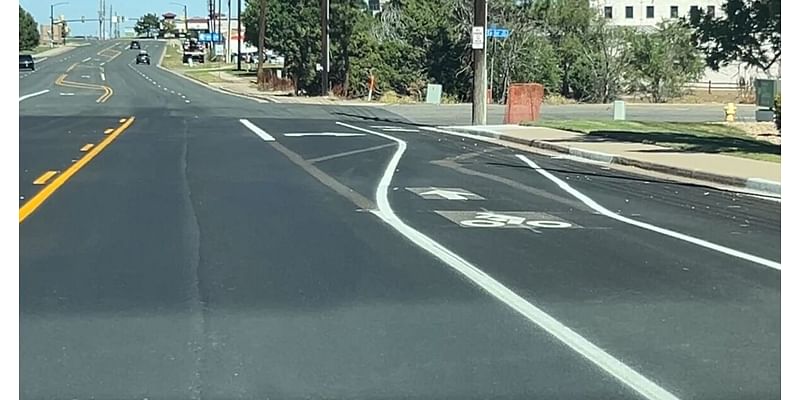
{"x": 258, "y": 131}
{"x": 86, "y": 59}
{"x": 187, "y": 101}
{"x": 28, "y": 96}
{"x": 172, "y": 92}
{"x": 102, "y": 76}
{"x": 575, "y": 341}
{"x": 677, "y": 235}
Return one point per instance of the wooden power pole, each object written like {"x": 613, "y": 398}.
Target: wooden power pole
{"x": 479, "y": 87}
{"x": 325, "y": 9}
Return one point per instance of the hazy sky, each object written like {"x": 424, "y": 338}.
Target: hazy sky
{"x": 131, "y": 9}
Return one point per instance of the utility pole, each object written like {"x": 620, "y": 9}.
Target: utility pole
{"x": 239, "y": 34}
{"x": 228, "y": 36}
{"x": 111, "y": 23}
{"x": 479, "y": 63}
{"x": 325, "y": 12}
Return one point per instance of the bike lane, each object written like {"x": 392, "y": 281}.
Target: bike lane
{"x": 700, "y": 323}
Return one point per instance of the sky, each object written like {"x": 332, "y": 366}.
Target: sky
{"x": 131, "y": 9}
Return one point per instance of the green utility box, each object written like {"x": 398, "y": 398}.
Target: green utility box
{"x": 766, "y": 91}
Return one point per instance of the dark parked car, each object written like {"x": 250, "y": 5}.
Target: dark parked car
{"x": 26, "y": 62}
{"x": 135, "y": 45}
{"x": 143, "y": 58}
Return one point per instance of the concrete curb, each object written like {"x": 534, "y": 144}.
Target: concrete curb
{"x": 748, "y": 183}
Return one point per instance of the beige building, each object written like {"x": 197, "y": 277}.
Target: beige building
{"x": 647, "y": 13}
{"x": 58, "y": 30}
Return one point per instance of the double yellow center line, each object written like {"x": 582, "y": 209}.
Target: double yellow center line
{"x": 107, "y": 91}
{"x": 37, "y": 200}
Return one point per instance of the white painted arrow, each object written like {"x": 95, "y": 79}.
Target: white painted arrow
{"x": 447, "y": 194}
{"x": 334, "y": 134}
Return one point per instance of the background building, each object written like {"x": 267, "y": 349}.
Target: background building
{"x": 645, "y": 14}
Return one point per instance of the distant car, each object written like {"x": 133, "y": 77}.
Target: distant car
{"x": 135, "y": 45}
{"x": 26, "y": 62}
{"x": 143, "y": 58}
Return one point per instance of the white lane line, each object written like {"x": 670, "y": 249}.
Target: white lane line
{"x": 28, "y": 96}
{"x": 165, "y": 89}
{"x": 400, "y": 130}
{"x": 183, "y": 96}
{"x": 86, "y": 59}
{"x": 677, "y": 235}
{"x": 575, "y": 341}
{"x": 172, "y": 92}
{"x": 258, "y": 131}
{"x": 349, "y": 153}
{"x": 103, "y": 75}
{"x": 187, "y": 101}
{"x": 102, "y": 63}
{"x": 334, "y": 134}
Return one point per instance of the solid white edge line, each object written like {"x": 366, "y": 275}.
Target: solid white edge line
{"x": 616, "y": 368}
{"x": 677, "y": 235}
{"x": 258, "y": 131}
{"x": 28, "y": 96}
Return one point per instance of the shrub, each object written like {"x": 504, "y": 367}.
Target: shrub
{"x": 778, "y": 112}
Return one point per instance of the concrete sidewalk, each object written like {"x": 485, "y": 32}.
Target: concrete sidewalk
{"x": 54, "y": 51}
{"x": 718, "y": 168}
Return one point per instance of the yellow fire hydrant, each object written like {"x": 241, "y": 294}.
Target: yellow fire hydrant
{"x": 730, "y": 112}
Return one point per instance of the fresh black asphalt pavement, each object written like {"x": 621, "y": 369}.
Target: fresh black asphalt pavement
{"x": 193, "y": 259}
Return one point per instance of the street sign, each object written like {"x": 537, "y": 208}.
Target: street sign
{"x": 478, "y": 37}
{"x": 209, "y": 37}
{"x": 499, "y": 33}
{"x": 506, "y": 219}
{"x": 434, "y": 193}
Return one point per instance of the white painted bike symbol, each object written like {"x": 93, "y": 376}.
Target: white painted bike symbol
{"x": 494, "y": 220}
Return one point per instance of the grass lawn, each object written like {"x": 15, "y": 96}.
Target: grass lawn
{"x": 687, "y": 136}
{"x": 35, "y": 50}
{"x": 205, "y": 76}
{"x": 173, "y": 58}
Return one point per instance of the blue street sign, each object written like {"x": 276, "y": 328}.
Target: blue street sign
{"x": 500, "y": 33}
{"x": 209, "y": 37}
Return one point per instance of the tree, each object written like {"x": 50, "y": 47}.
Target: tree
{"x": 28, "y": 31}
{"x": 292, "y": 30}
{"x": 261, "y": 76}
{"x": 603, "y": 62}
{"x": 168, "y": 27}
{"x": 348, "y": 16}
{"x": 147, "y": 24}
{"x": 565, "y": 23}
{"x": 748, "y": 31}
{"x": 661, "y": 63}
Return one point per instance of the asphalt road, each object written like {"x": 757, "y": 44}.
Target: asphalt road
{"x": 214, "y": 247}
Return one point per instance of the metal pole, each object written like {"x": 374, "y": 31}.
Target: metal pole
{"x": 325, "y": 11}
{"x": 479, "y": 67}
{"x": 491, "y": 68}
{"x": 228, "y": 38}
{"x": 185, "y": 22}
{"x": 239, "y": 34}
{"x": 111, "y": 24}
{"x": 51, "y": 25}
